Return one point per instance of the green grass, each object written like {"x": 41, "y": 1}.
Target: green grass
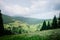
{"x": 40, "y": 35}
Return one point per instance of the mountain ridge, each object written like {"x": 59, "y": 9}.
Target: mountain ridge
{"x": 8, "y": 19}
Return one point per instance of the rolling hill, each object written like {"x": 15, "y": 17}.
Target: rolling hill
{"x": 29, "y": 20}
{"x": 7, "y": 19}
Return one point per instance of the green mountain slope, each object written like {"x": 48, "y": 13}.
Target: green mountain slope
{"x": 7, "y": 19}
{"x": 29, "y": 20}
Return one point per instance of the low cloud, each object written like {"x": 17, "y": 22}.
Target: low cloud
{"x": 31, "y": 8}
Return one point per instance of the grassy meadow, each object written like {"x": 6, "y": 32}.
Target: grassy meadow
{"x": 43, "y": 35}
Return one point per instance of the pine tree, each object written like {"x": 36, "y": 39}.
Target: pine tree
{"x": 44, "y": 27}
{"x": 59, "y": 21}
{"x": 1, "y": 24}
{"x": 48, "y": 26}
{"x": 54, "y": 23}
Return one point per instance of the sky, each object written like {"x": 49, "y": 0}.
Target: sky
{"x": 41, "y": 9}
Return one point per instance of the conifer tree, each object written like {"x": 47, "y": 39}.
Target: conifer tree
{"x": 54, "y": 22}
{"x": 59, "y": 21}
{"x": 1, "y": 24}
{"x": 44, "y": 27}
{"x": 48, "y": 26}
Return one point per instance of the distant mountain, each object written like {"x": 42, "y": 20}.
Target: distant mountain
{"x": 7, "y": 19}
{"x": 29, "y": 20}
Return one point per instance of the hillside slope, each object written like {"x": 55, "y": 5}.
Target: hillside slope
{"x": 31, "y": 20}
{"x": 7, "y": 19}
{"x": 42, "y": 35}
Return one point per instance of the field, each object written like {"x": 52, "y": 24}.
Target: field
{"x": 53, "y": 34}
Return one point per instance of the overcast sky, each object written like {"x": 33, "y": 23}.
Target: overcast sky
{"x": 42, "y": 9}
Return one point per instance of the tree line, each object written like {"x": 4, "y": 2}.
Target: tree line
{"x": 54, "y": 25}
